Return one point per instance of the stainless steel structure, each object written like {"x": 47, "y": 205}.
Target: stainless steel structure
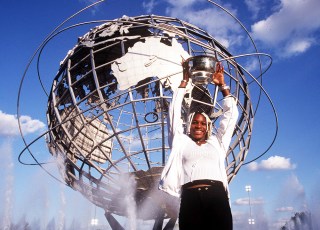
{"x": 111, "y": 140}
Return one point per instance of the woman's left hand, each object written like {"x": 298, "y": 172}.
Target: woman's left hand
{"x": 218, "y": 77}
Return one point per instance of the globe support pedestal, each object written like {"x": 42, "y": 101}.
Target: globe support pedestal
{"x": 170, "y": 224}
{"x": 158, "y": 224}
{"x": 115, "y": 225}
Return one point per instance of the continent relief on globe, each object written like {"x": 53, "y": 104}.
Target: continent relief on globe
{"x": 148, "y": 59}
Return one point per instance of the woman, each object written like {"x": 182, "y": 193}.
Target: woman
{"x": 195, "y": 170}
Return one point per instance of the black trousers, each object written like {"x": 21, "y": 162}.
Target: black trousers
{"x": 205, "y": 208}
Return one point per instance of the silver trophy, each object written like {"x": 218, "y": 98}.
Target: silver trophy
{"x": 200, "y": 69}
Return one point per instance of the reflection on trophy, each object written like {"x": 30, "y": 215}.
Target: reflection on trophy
{"x": 200, "y": 69}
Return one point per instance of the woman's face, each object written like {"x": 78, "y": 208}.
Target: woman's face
{"x": 198, "y": 128}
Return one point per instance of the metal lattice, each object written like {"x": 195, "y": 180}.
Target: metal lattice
{"x": 106, "y": 125}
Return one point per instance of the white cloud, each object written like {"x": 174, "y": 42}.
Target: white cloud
{"x": 182, "y": 3}
{"x": 296, "y": 47}
{"x": 292, "y": 27}
{"x": 215, "y": 21}
{"x": 149, "y": 5}
{"x": 6, "y": 183}
{"x": 285, "y": 209}
{"x": 272, "y": 163}
{"x": 254, "y": 6}
{"x": 9, "y": 125}
{"x": 278, "y": 224}
{"x": 93, "y": 9}
{"x": 294, "y": 186}
{"x": 292, "y": 194}
{"x": 245, "y": 201}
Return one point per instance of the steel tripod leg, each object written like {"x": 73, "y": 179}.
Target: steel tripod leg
{"x": 114, "y": 224}
{"x": 170, "y": 224}
{"x": 158, "y": 222}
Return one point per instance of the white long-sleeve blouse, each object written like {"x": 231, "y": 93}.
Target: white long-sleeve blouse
{"x": 187, "y": 161}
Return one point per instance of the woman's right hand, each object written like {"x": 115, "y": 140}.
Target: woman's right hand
{"x": 185, "y": 80}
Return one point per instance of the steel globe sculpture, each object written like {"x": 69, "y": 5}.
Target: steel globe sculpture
{"x": 108, "y": 106}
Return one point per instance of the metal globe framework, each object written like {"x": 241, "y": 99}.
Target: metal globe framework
{"x": 108, "y": 105}
{"x": 107, "y": 115}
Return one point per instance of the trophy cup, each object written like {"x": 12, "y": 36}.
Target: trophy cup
{"x": 200, "y": 69}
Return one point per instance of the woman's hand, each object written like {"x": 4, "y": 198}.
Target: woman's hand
{"x": 184, "y": 82}
{"x": 218, "y": 77}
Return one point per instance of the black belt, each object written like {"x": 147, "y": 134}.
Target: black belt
{"x": 201, "y": 182}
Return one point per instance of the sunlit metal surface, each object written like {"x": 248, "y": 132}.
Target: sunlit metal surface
{"x": 103, "y": 132}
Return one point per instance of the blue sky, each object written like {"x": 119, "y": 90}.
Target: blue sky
{"x": 283, "y": 181}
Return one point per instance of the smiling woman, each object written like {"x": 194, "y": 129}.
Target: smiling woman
{"x": 198, "y": 128}
{"x": 195, "y": 170}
